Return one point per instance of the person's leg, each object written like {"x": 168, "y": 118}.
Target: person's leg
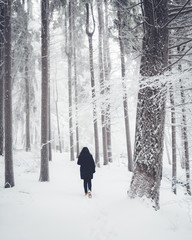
{"x": 89, "y": 184}
{"x": 85, "y": 185}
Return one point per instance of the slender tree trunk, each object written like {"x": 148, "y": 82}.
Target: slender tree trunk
{"x": 95, "y": 124}
{"x": 70, "y": 86}
{"x": 1, "y": 74}
{"x": 173, "y": 130}
{"x": 125, "y": 101}
{"x": 185, "y": 140}
{"x": 44, "y": 173}
{"x": 9, "y": 174}
{"x": 49, "y": 100}
{"x": 58, "y": 127}
{"x": 27, "y": 105}
{"x": 151, "y": 104}
{"x": 57, "y": 114}
{"x": 102, "y": 81}
{"x": 107, "y": 64}
{"x": 167, "y": 150}
{"x": 27, "y": 88}
{"x": 76, "y": 106}
{"x": 75, "y": 78}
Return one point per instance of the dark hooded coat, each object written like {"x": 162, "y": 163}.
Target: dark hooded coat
{"x": 85, "y": 160}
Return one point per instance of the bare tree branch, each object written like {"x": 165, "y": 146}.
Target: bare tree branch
{"x": 169, "y": 66}
{"x": 165, "y": 25}
{"x": 183, "y": 12}
{"x": 178, "y": 45}
{"x": 179, "y": 27}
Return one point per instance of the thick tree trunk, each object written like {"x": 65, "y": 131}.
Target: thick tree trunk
{"x": 102, "y": 81}
{"x": 151, "y": 104}
{"x": 44, "y": 172}
{"x": 95, "y": 124}
{"x": 125, "y": 103}
{"x": 9, "y": 175}
{"x": 2, "y": 20}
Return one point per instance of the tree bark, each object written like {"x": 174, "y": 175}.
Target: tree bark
{"x": 185, "y": 140}
{"x": 49, "y": 100}
{"x": 57, "y": 115}
{"x": 107, "y": 65}
{"x": 70, "y": 85}
{"x": 75, "y": 79}
{"x": 2, "y": 21}
{"x": 124, "y": 87}
{"x": 27, "y": 88}
{"x": 151, "y": 104}
{"x": 44, "y": 172}
{"x": 173, "y": 131}
{"x": 9, "y": 173}
{"x": 102, "y": 81}
{"x": 27, "y": 104}
{"x": 95, "y": 124}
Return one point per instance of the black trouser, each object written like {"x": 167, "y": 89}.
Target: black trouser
{"x": 87, "y": 183}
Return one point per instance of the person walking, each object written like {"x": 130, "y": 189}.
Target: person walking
{"x": 87, "y": 169}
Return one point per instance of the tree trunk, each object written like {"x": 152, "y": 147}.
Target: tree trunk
{"x": 70, "y": 86}
{"x": 1, "y": 74}
{"x": 9, "y": 175}
{"x": 27, "y": 105}
{"x": 185, "y": 140}
{"x": 57, "y": 115}
{"x": 75, "y": 80}
{"x": 125, "y": 103}
{"x": 44, "y": 172}
{"x": 173, "y": 130}
{"x": 95, "y": 124}
{"x": 49, "y": 101}
{"x": 102, "y": 81}
{"x": 151, "y": 104}
{"x": 27, "y": 88}
{"x": 107, "y": 65}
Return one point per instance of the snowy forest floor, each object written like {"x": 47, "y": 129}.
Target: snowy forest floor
{"x": 59, "y": 210}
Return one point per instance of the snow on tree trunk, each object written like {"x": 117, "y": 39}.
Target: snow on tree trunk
{"x": 27, "y": 87}
{"x": 1, "y": 74}
{"x": 9, "y": 175}
{"x": 151, "y": 104}
{"x": 107, "y": 65}
{"x": 44, "y": 172}
{"x": 70, "y": 86}
{"x": 173, "y": 142}
{"x": 49, "y": 99}
{"x": 185, "y": 140}
{"x": 125, "y": 101}
{"x": 102, "y": 80}
{"x": 75, "y": 77}
{"x": 95, "y": 122}
{"x": 27, "y": 108}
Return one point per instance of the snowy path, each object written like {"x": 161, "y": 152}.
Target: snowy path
{"x": 58, "y": 210}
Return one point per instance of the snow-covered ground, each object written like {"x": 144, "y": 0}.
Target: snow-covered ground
{"x": 59, "y": 210}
